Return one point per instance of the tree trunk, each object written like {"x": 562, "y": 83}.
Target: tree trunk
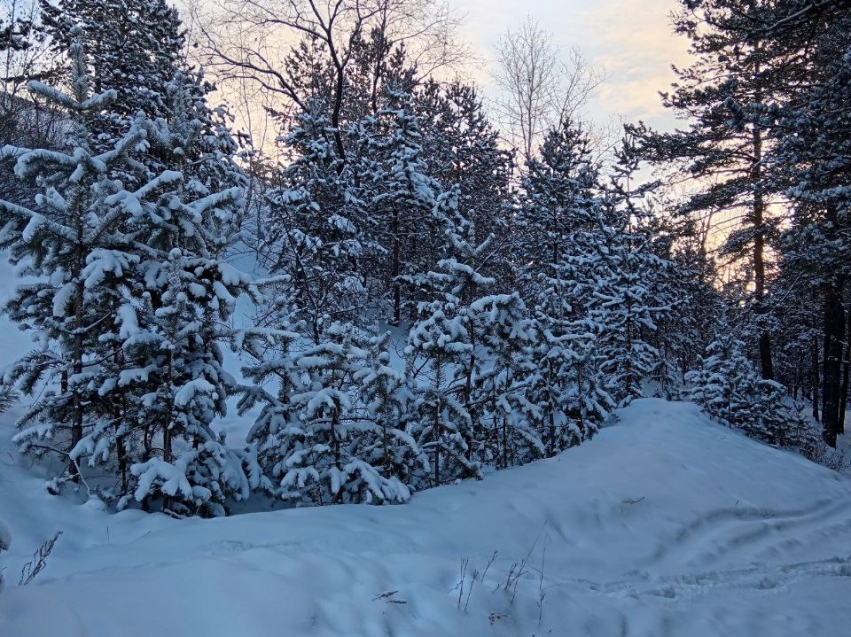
{"x": 77, "y": 401}
{"x": 846, "y": 369}
{"x": 758, "y": 221}
{"x": 397, "y": 290}
{"x": 814, "y": 386}
{"x": 834, "y": 335}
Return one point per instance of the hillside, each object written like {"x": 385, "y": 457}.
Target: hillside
{"x": 664, "y": 524}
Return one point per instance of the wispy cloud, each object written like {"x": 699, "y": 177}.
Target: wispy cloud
{"x": 630, "y": 40}
{"x": 636, "y": 47}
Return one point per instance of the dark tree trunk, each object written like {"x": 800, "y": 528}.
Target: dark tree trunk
{"x": 815, "y": 366}
{"x": 758, "y": 221}
{"x": 397, "y": 289}
{"x": 814, "y": 387}
{"x": 846, "y": 369}
{"x": 834, "y": 335}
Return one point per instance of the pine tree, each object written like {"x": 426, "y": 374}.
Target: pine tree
{"x": 814, "y": 137}
{"x": 635, "y": 287}
{"x": 727, "y": 94}
{"x": 130, "y": 296}
{"x": 333, "y": 432}
{"x": 559, "y": 221}
{"x": 132, "y": 48}
{"x": 137, "y": 50}
{"x": 15, "y": 35}
{"x": 312, "y": 234}
{"x": 441, "y": 355}
{"x": 504, "y": 336}
{"x": 170, "y": 331}
{"x": 732, "y": 392}
{"x": 401, "y": 196}
{"x": 462, "y": 149}
{"x": 66, "y": 243}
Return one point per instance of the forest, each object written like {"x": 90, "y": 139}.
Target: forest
{"x": 302, "y": 211}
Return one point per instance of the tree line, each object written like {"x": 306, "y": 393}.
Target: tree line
{"x": 431, "y": 304}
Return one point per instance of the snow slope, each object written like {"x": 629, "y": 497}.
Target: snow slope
{"x": 664, "y": 524}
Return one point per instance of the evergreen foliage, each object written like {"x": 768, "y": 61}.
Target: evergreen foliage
{"x": 126, "y": 308}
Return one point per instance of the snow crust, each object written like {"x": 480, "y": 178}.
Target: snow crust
{"x": 664, "y": 524}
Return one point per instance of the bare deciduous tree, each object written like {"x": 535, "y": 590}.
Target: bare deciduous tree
{"x": 249, "y": 41}
{"x": 539, "y": 86}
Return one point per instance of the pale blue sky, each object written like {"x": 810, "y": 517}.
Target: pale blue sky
{"x": 631, "y": 40}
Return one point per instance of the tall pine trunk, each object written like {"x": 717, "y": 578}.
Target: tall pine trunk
{"x": 846, "y": 369}
{"x": 758, "y": 221}
{"x": 834, "y": 335}
{"x": 397, "y": 289}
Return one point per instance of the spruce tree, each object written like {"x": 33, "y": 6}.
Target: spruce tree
{"x": 635, "y": 288}
{"x": 71, "y": 243}
{"x": 127, "y": 308}
{"x": 559, "y": 223}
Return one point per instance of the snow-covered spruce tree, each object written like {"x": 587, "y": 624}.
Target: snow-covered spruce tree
{"x": 137, "y": 49}
{"x": 331, "y": 434}
{"x": 387, "y": 398}
{"x": 441, "y": 359}
{"x": 558, "y": 223}
{"x": 731, "y": 391}
{"x": 311, "y": 234}
{"x": 129, "y": 289}
{"x": 401, "y": 195}
{"x": 68, "y": 242}
{"x": 635, "y": 286}
{"x": 133, "y": 48}
{"x": 504, "y": 337}
{"x": 173, "y": 368}
{"x": 170, "y": 326}
{"x": 461, "y": 148}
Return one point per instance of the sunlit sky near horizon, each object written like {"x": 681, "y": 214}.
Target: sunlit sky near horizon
{"x": 630, "y": 41}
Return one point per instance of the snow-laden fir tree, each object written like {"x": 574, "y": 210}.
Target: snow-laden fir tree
{"x": 504, "y": 337}
{"x": 461, "y": 148}
{"x": 137, "y": 49}
{"x": 64, "y": 242}
{"x": 635, "y": 287}
{"x": 132, "y": 48}
{"x": 401, "y": 195}
{"x": 127, "y": 309}
{"x": 387, "y": 395}
{"x": 441, "y": 357}
{"x": 331, "y": 429}
{"x": 311, "y": 233}
{"x": 731, "y": 391}
{"x": 559, "y": 222}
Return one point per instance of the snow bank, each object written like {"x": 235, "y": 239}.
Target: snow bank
{"x": 665, "y": 524}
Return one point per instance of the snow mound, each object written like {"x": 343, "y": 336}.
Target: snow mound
{"x": 664, "y": 524}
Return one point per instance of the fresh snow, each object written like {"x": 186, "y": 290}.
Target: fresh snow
{"x": 663, "y": 524}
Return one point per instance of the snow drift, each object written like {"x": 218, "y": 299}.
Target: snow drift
{"x": 665, "y": 524}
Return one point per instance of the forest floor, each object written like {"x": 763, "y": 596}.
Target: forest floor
{"x": 664, "y": 524}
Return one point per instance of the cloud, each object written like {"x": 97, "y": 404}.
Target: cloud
{"x": 636, "y": 46}
{"x": 630, "y": 40}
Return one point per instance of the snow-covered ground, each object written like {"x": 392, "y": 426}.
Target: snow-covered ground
{"x": 664, "y": 524}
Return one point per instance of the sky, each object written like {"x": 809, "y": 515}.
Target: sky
{"x": 630, "y": 41}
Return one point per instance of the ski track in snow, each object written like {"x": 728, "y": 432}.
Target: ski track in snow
{"x": 728, "y": 535}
